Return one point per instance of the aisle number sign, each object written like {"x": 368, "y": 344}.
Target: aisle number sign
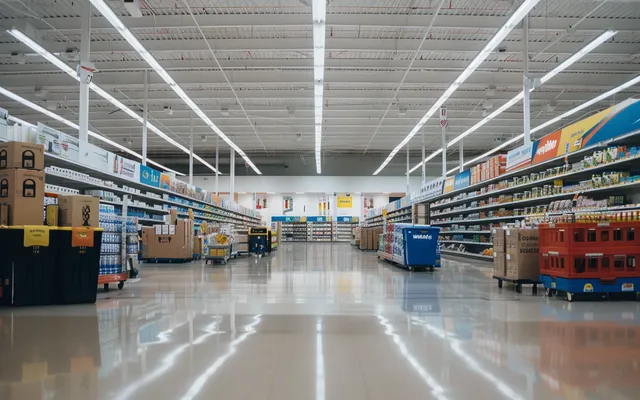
{"x": 345, "y": 201}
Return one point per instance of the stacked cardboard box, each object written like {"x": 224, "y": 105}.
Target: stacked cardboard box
{"x": 168, "y": 241}
{"x": 78, "y": 210}
{"x": 22, "y": 183}
{"x": 369, "y": 238}
{"x": 522, "y": 254}
{"x": 198, "y": 246}
{"x": 499, "y": 253}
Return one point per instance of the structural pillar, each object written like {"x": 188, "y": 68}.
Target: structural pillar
{"x": 232, "y": 174}
{"x": 526, "y": 81}
{"x": 191, "y": 148}
{"x": 444, "y": 150}
{"x": 145, "y": 117}
{"x": 408, "y": 183}
{"x": 424, "y": 164}
{"x": 461, "y": 157}
{"x": 217, "y": 170}
{"x": 85, "y": 59}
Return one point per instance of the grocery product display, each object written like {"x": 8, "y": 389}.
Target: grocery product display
{"x": 586, "y": 184}
{"x": 343, "y": 228}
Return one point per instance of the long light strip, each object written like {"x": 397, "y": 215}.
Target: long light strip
{"x": 101, "y": 92}
{"x": 319, "y": 32}
{"x": 546, "y": 78}
{"x": 137, "y": 46}
{"x": 65, "y": 121}
{"x": 569, "y": 113}
{"x": 511, "y": 23}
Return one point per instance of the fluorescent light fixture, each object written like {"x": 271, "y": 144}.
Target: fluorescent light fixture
{"x": 65, "y": 121}
{"x": 299, "y": 192}
{"x": 511, "y": 23}
{"x": 319, "y": 11}
{"x": 271, "y": 192}
{"x": 115, "y": 21}
{"x": 426, "y": 160}
{"x": 546, "y": 78}
{"x": 102, "y": 93}
{"x": 569, "y": 113}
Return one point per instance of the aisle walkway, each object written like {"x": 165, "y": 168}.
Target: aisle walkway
{"x": 316, "y": 322}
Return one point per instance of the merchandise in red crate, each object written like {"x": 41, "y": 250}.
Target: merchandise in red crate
{"x": 604, "y": 251}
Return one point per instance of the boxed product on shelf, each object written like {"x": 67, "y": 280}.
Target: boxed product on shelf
{"x": 21, "y": 155}
{"x": 522, "y": 253}
{"x": 23, "y": 191}
{"x": 78, "y": 210}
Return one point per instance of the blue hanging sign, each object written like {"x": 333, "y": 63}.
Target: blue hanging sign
{"x": 462, "y": 180}
{"x": 149, "y": 176}
{"x": 345, "y": 219}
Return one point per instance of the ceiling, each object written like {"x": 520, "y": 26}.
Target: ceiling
{"x": 265, "y": 50}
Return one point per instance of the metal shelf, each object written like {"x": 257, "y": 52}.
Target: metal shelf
{"x": 466, "y": 242}
{"x": 464, "y": 254}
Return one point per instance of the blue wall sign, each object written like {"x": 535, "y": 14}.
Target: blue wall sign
{"x": 149, "y": 176}
{"x": 462, "y": 180}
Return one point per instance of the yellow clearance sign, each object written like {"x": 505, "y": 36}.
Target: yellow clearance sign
{"x": 345, "y": 201}
{"x": 448, "y": 185}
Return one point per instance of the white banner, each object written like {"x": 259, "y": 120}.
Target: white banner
{"x": 519, "y": 157}
{"x": 94, "y": 156}
{"x": 429, "y": 190}
{"x": 125, "y": 168}
{"x": 69, "y": 147}
{"x": 50, "y": 138}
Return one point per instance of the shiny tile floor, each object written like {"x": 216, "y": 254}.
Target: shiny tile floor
{"x": 320, "y": 321}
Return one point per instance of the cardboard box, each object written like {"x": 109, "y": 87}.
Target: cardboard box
{"x": 497, "y": 235}
{"x": 14, "y": 155}
{"x": 79, "y": 210}
{"x": 176, "y": 245}
{"x": 198, "y": 246}
{"x": 522, "y": 254}
{"x": 173, "y": 216}
{"x": 499, "y": 265}
{"x": 23, "y": 191}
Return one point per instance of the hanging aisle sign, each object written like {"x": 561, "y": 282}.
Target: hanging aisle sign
{"x": 149, "y": 176}
{"x": 462, "y": 180}
{"x": 519, "y": 157}
{"x": 443, "y": 117}
{"x": 345, "y": 201}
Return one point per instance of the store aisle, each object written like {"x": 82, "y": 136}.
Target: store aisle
{"x": 320, "y": 321}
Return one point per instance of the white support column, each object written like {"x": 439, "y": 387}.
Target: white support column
{"x": 145, "y": 117}
{"x": 191, "y": 148}
{"x": 444, "y": 151}
{"x": 424, "y": 165}
{"x": 461, "y": 156}
{"x": 526, "y": 81}
{"x": 408, "y": 182}
{"x": 217, "y": 168}
{"x": 232, "y": 174}
{"x": 85, "y": 59}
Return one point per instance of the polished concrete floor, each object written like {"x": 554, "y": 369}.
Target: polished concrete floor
{"x": 320, "y": 321}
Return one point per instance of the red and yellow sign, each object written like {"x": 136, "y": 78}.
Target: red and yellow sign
{"x": 547, "y": 147}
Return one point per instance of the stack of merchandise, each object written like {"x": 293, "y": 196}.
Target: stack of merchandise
{"x": 519, "y": 248}
{"x": 168, "y": 241}
{"x": 369, "y": 238}
{"x": 356, "y": 236}
{"x": 499, "y": 253}
{"x": 22, "y": 188}
{"x": 387, "y": 239}
{"x": 489, "y": 169}
{"x": 398, "y": 240}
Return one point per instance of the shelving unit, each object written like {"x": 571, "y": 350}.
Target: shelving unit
{"x": 343, "y": 230}
{"x": 528, "y": 193}
{"x": 319, "y": 231}
{"x": 294, "y": 232}
{"x": 59, "y": 172}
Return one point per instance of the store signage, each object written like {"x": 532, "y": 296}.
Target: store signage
{"x": 546, "y": 148}
{"x": 149, "y": 176}
{"x": 287, "y": 204}
{"x": 519, "y": 157}
{"x": 165, "y": 181}
{"x": 462, "y": 180}
{"x": 94, "y": 156}
{"x": 427, "y": 191}
{"x": 4, "y": 115}
{"x": 443, "y": 117}
{"x": 448, "y": 185}
{"x": 69, "y": 147}
{"x": 345, "y": 201}
{"x": 124, "y": 168}
{"x": 49, "y": 137}
{"x": 344, "y": 219}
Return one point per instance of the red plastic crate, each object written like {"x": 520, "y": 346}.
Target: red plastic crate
{"x": 603, "y": 266}
{"x": 578, "y": 238}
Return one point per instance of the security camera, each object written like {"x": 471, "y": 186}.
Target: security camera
{"x": 203, "y": 138}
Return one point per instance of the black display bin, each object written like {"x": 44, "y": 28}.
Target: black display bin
{"x": 77, "y": 265}
{"x": 27, "y": 265}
